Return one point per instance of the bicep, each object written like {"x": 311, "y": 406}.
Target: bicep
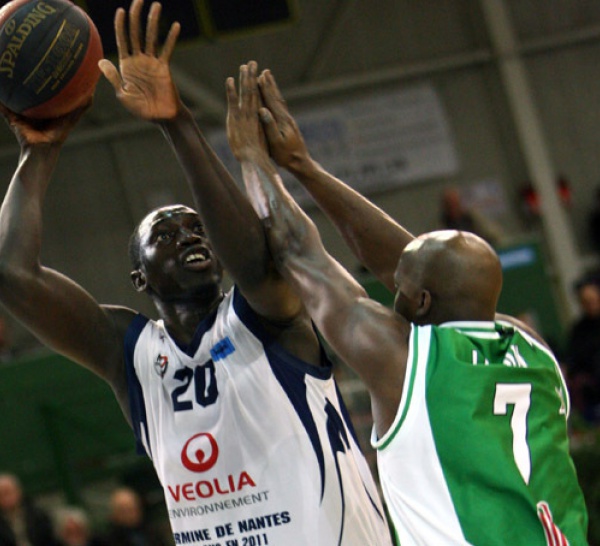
{"x": 67, "y": 319}
{"x": 270, "y": 295}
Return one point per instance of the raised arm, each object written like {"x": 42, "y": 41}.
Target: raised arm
{"x": 372, "y": 235}
{"x": 369, "y": 337}
{"x": 58, "y": 311}
{"x": 145, "y": 87}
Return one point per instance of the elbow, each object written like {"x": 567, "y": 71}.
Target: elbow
{"x": 288, "y": 241}
{"x": 293, "y": 239}
{"x": 280, "y": 242}
{"x": 7, "y": 274}
{"x": 14, "y": 281}
{"x": 7, "y": 280}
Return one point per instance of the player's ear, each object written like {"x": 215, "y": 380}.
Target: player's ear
{"x": 424, "y": 304}
{"x": 138, "y": 280}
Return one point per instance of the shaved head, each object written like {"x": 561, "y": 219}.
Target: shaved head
{"x": 448, "y": 275}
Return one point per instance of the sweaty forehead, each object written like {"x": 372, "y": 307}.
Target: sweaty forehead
{"x": 164, "y": 214}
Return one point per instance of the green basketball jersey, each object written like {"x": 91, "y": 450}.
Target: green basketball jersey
{"x": 478, "y": 453}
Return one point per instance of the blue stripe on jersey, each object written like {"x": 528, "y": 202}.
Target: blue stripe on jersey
{"x": 136, "y": 395}
{"x": 346, "y": 414}
{"x": 291, "y": 378}
{"x": 252, "y": 322}
{"x": 290, "y": 372}
{"x": 350, "y": 427}
{"x": 339, "y": 444}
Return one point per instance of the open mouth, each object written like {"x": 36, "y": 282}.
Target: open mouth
{"x": 197, "y": 259}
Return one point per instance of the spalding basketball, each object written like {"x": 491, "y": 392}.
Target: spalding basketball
{"x": 49, "y": 53}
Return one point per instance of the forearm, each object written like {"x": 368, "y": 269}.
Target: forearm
{"x": 21, "y": 211}
{"x": 291, "y": 234}
{"x": 372, "y": 235}
{"x": 232, "y": 225}
{"x": 26, "y": 288}
{"x": 330, "y": 294}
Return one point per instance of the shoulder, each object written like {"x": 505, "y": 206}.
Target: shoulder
{"x": 294, "y": 332}
{"x": 126, "y": 322}
{"x": 523, "y": 327}
{"x": 120, "y": 316}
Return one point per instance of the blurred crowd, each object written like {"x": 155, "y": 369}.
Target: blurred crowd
{"x": 23, "y": 523}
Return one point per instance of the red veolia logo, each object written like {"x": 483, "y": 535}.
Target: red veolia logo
{"x": 200, "y": 452}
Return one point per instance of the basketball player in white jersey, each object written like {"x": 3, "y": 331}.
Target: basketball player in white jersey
{"x": 470, "y": 409}
{"x": 230, "y": 395}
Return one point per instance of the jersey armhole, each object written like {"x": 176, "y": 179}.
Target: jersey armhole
{"x": 137, "y": 407}
{"x": 418, "y": 346}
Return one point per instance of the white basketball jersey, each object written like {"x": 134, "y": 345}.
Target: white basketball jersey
{"x": 252, "y": 445}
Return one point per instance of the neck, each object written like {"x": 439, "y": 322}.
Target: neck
{"x": 181, "y": 318}
{"x": 461, "y": 312}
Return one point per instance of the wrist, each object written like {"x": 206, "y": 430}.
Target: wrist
{"x": 302, "y": 166}
{"x": 182, "y": 114}
{"x": 181, "y": 126}
{"x": 41, "y": 149}
{"x": 255, "y": 156}
{"x": 40, "y": 155}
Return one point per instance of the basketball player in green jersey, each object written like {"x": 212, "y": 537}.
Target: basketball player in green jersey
{"x": 470, "y": 408}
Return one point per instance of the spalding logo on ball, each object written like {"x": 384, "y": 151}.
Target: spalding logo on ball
{"x": 49, "y": 53}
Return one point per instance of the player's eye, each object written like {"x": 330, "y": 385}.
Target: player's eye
{"x": 199, "y": 229}
{"x": 164, "y": 236}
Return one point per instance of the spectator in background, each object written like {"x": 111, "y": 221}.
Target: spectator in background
{"x": 456, "y": 216}
{"x": 73, "y": 528}
{"x": 583, "y": 351}
{"x": 127, "y": 524}
{"x": 22, "y": 523}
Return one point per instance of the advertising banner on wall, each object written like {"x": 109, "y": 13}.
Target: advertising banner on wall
{"x": 375, "y": 142}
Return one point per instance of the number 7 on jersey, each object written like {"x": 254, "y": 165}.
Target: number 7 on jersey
{"x": 518, "y": 395}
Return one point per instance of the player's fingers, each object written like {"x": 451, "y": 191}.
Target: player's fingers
{"x": 269, "y": 125}
{"x": 272, "y": 97}
{"x": 134, "y": 25}
{"x": 110, "y": 73}
{"x": 252, "y": 86}
{"x": 120, "y": 34}
{"x": 152, "y": 28}
{"x": 243, "y": 83}
{"x": 232, "y": 96}
{"x": 170, "y": 42}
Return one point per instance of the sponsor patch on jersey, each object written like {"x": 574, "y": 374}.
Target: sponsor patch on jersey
{"x": 200, "y": 452}
{"x": 222, "y": 349}
{"x": 161, "y": 364}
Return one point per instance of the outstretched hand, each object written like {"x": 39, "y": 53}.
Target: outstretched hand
{"x": 244, "y": 130}
{"x": 143, "y": 83}
{"x": 31, "y": 132}
{"x": 286, "y": 144}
